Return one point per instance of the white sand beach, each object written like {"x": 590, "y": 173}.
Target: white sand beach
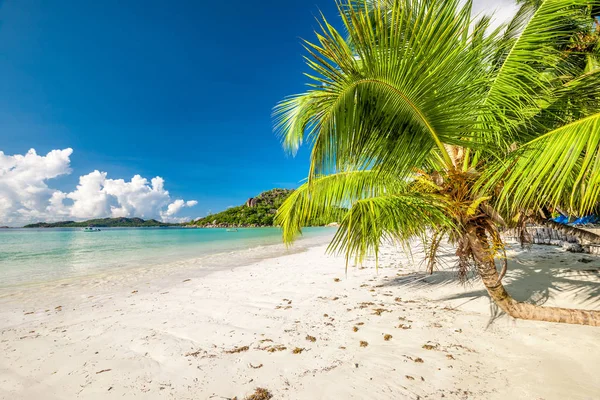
{"x": 192, "y": 333}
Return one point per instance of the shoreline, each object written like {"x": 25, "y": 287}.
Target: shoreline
{"x": 195, "y": 335}
{"x": 208, "y": 263}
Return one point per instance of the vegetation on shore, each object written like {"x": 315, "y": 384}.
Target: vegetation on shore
{"x": 103, "y": 223}
{"x": 257, "y": 212}
{"x": 423, "y": 119}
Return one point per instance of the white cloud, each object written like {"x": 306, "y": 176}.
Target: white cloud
{"x": 502, "y": 10}
{"x": 26, "y": 197}
{"x": 177, "y": 206}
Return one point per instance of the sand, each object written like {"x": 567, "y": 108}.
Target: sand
{"x": 193, "y": 333}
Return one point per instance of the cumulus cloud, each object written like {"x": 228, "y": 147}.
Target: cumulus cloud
{"x": 177, "y": 206}
{"x": 26, "y": 197}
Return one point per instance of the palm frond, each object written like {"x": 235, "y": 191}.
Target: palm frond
{"x": 328, "y": 196}
{"x": 560, "y": 168}
{"x": 577, "y": 98}
{"x": 531, "y": 60}
{"x": 398, "y": 82}
{"x": 394, "y": 218}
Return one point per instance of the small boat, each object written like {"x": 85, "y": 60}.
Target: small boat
{"x": 91, "y": 229}
{"x": 231, "y": 230}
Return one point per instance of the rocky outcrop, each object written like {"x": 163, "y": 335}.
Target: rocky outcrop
{"x": 251, "y": 202}
{"x": 573, "y": 247}
{"x": 548, "y": 236}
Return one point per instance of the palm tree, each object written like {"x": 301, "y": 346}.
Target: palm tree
{"x": 424, "y": 123}
{"x": 583, "y": 51}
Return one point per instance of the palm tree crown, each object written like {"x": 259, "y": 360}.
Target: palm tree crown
{"x": 423, "y": 120}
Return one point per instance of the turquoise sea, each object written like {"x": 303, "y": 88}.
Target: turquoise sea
{"x": 41, "y": 255}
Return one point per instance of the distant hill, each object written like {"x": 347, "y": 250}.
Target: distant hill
{"x": 102, "y": 223}
{"x": 258, "y": 211}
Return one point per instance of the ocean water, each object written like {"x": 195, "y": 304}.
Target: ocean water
{"x": 30, "y": 256}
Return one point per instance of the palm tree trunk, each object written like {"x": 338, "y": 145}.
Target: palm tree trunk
{"x": 581, "y": 234}
{"x": 489, "y": 275}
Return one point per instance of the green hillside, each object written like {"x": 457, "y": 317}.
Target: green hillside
{"x": 258, "y": 211}
{"x": 102, "y": 223}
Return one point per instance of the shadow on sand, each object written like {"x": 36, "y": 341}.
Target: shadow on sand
{"x": 534, "y": 276}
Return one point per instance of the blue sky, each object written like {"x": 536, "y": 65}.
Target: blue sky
{"x": 180, "y": 91}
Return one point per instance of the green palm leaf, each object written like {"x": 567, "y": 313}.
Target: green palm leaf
{"x": 328, "y": 196}
{"x": 561, "y": 167}
{"x": 532, "y": 61}
{"x": 394, "y": 218}
{"x": 398, "y": 82}
{"x": 431, "y": 104}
